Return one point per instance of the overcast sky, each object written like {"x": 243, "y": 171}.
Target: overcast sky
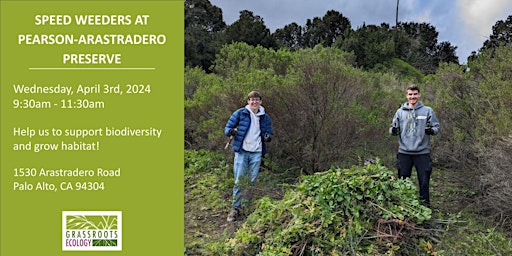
{"x": 464, "y": 23}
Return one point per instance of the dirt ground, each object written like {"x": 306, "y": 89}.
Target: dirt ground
{"x": 205, "y": 225}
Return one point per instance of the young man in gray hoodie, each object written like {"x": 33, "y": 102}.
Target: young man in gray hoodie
{"x": 414, "y": 123}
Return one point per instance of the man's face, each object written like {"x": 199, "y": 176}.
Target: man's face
{"x": 412, "y": 97}
{"x": 254, "y": 104}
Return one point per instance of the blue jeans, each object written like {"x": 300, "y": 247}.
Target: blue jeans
{"x": 246, "y": 168}
{"x": 423, "y": 165}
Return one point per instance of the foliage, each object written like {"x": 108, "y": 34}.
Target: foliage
{"x": 401, "y": 69}
{"x": 496, "y": 185}
{"x": 208, "y": 171}
{"x": 240, "y": 58}
{"x": 361, "y": 210}
{"x": 450, "y": 93}
{"x": 328, "y": 113}
{"x": 475, "y": 109}
{"x": 203, "y": 26}
{"x": 469, "y": 235}
{"x": 371, "y": 45}
{"x": 251, "y": 29}
{"x": 415, "y": 43}
{"x": 326, "y": 30}
{"x": 208, "y": 181}
{"x": 322, "y": 108}
{"x": 197, "y": 161}
{"x": 200, "y": 90}
{"x": 501, "y": 34}
{"x": 245, "y": 68}
{"x": 492, "y": 76}
{"x": 289, "y": 37}
{"x": 445, "y": 53}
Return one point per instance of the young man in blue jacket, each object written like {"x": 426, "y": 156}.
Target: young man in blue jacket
{"x": 250, "y": 128}
{"x": 414, "y": 123}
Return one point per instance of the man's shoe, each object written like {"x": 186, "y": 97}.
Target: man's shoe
{"x": 232, "y": 215}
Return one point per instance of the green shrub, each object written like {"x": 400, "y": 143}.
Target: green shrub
{"x": 474, "y": 108}
{"x": 325, "y": 112}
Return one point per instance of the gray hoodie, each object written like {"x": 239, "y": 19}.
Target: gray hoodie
{"x": 412, "y": 122}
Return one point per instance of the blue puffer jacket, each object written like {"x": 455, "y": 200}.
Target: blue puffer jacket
{"x": 241, "y": 119}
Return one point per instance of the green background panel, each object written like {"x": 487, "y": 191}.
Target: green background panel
{"x": 150, "y": 189}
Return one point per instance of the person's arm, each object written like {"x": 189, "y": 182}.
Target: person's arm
{"x": 268, "y": 129}
{"x": 394, "y": 127}
{"x": 232, "y": 124}
{"x": 434, "y": 123}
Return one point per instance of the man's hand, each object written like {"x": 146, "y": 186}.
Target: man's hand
{"x": 267, "y": 138}
{"x": 429, "y": 131}
{"x": 395, "y": 130}
{"x": 233, "y": 132}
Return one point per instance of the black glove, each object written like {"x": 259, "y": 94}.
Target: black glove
{"x": 233, "y": 132}
{"x": 395, "y": 130}
{"x": 267, "y": 138}
{"x": 429, "y": 131}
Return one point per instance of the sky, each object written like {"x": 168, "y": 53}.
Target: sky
{"x": 466, "y": 24}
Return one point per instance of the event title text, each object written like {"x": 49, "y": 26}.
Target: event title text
{"x": 114, "y": 38}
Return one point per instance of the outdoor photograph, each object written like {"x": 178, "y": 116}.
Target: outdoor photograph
{"x": 348, "y": 127}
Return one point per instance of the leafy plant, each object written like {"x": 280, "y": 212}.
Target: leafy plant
{"x": 337, "y": 212}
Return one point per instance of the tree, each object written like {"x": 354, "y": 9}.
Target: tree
{"x": 445, "y": 52}
{"x": 251, "y": 29}
{"x": 289, "y": 37}
{"x": 501, "y": 34}
{"x": 423, "y": 31}
{"x": 417, "y": 45}
{"x": 371, "y": 45}
{"x": 326, "y": 30}
{"x": 203, "y": 23}
{"x": 336, "y": 27}
{"x": 313, "y": 32}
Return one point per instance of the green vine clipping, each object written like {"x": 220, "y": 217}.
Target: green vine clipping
{"x": 361, "y": 209}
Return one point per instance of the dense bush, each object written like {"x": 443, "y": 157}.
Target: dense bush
{"x": 496, "y": 184}
{"x": 325, "y": 112}
{"x": 216, "y": 96}
{"x": 329, "y": 113}
{"x": 361, "y": 210}
{"x": 474, "y": 106}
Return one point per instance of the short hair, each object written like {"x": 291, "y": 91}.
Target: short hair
{"x": 254, "y": 94}
{"x": 413, "y": 87}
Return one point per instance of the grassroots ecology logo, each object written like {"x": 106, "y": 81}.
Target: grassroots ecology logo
{"x": 92, "y": 231}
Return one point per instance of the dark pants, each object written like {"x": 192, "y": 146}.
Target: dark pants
{"x": 423, "y": 165}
